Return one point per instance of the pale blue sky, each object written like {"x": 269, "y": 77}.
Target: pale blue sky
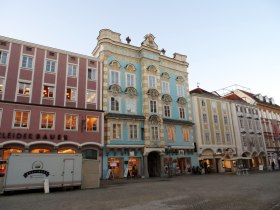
{"x": 227, "y": 42}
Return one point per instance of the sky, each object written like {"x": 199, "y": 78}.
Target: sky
{"x": 227, "y": 42}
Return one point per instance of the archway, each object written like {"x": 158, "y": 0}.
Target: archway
{"x": 154, "y": 164}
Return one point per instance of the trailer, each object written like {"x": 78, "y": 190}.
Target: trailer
{"x": 30, "y": 171}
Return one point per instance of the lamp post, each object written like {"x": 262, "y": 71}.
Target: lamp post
{"x": 169, "y": 161}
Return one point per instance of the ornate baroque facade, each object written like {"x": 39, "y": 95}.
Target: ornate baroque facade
{"x": 148, "y": 119}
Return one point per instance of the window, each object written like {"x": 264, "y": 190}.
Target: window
{"x": 130, "y": 80}
{"x": 1, "y": 112}
{"x": 244, "y": 141}
{"x": 130, "y": 105}
{"x": 180, "y": 90}
{"x": 92, "y": 74}
{"x": 228, "y": 138}
{"x": 91, "y": 96}
{"x": 203, "y": 103}
{"x": 27, "y": 62}
{"x": 24, "y": 88}
{"x": 215, "y": 119}
{"x": 21, "y": 119}
{"x": 171, "y": 131}
{"x": 3, "y": 57}
{"x": 241, "y": 123}
{"x": 214, "y": 105}
{"x": 117, "y": 131}
{"x": 165, "y": 87}
{"x": 250, "y": 124}
{"x": 71, "y": 94}
{"x": 47, "y": 120}
{"x": 186, "y": 134}
{"x": 204, "y": 116}
{"x": 1, "y": 84}
{"x": 71, "y": 122}
{"x": 48, "y": 91}
{"x": 182, "y": 113}
{"x": 207, "y": 138}
{"x": 90, "y": 154}
{"x": 152, "y": 81}
{"x": 50, "y": 66}
{"x": 72, "y": 70}
{"x": 154, "y": 131}
{"x": 115, "y": 106}
{"x": 91, "y": 124}
{"x": 166, "y": 111}
{"x": 257, "y": 125}
{"x": 226, "y": 120}
{"x": 132, "y": 131}
{"x": 153, "y": 106}
{"x": 218, "y": 138}
{"x": 115, "y": 77}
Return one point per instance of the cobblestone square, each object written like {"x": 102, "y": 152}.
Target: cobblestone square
{"x": 258, "y": 191}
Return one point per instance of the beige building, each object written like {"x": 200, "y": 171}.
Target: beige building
{"x": 215, "y": 140}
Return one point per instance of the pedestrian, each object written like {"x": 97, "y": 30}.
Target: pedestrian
{"x": 273, "y": 165}
{"x": 193, "y": 170}
{"x": 134, "y": 171}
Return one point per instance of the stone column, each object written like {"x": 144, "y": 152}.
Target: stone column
{"x": 146, "y": 172}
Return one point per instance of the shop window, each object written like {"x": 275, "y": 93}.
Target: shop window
{"x": 90, "y": 154}
{"x": 92, "y": 124}
{"x": 71, "y": 122}
{"x": 71, "y": 94}
{"x": 40, "y": 151}
{"x": 24, "y": 88}
{"x": 116, "y": 164}
{"x": 48, "y": 91}
{"x": 6, "y": 154}
{"x": 91, "y": 96}
{"x": 66, "y": 151}
{"x": 47, "y": 120}
{"x": 21, "y": 119}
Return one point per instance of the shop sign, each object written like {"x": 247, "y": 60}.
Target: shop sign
{"x": 131, "y": 153}
{"x": 31, "y": 136}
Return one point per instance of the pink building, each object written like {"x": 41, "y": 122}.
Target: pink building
{"x": 50, "y": 100}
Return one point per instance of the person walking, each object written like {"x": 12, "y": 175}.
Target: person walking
{"x": 273, "y": 165}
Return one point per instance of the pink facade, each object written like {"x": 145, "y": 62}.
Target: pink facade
{"x": 48, "y": 100}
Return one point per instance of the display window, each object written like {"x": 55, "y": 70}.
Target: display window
{"x": 66, "y": 151}
{"x": 40, "y": 151}
{"x": 6, "y": 154}
{"x": 134, "y": 167}
{"x": 116, "y": 164}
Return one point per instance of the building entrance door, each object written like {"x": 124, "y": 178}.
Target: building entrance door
{"x": 154, "y": 164}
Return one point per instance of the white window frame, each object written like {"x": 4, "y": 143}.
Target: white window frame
{"x": 93, "y": 74}
{"x": 118, "y": 77}
{"x": 29, "y": 61}
{"x": 97, "y": 124}
{"x": 169, "y": 110}
{"x": 118, "y": 127}
{"x": 226, "y": 120}
{"x": 153, "y": 106}
{"x": 204, "y": 118}
{"x": 25, "y": 86}
{"x": 180, "y": 90}
{"x": 155, "y": 133}
{"x": 91, "y": 92}
{"x": 49, "y": 86}
{"x": 132, "y": 132}
{"x": 28, "y": 121}
{"x": 228, "y": 139}
{"x": 75, "y": 95}
{"x": 3, "y": 59}
{"x": 71, "y": 115}
{"x": 48, "y": 113}
{"x": 152, "y": 81}
{"x": 70, "y": 70}
{"x": 50, "y": 66}
{"x": 128, "y": 101}
{"x": 165, "y": 87}
{"x": 207, "y": 138}
{"x": 129, "y": 80}
{"x": 2, "y": 84}
{"x": 182, "y": 111}
{"x": 118, "y": 100}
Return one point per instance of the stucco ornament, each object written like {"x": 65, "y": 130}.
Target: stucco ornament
{"x": 154, "y": 119}
{"x": 130, "y": 68}
{"x": 115, "y": 89}
{"x": 153, "y": 93}
{"x": 115, "y": 65}
{"x": 182, "y": 101}
{"x": 131, "y": 91}
{"x": 152, "y": 69}
{"x": 166, "y": 98}
{"x": 180, "y": 79}
{"x": 150, "y": 41}
{"x": 165, "y": 76}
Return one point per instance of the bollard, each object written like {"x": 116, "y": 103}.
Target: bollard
{"x": 46, "y": 186}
